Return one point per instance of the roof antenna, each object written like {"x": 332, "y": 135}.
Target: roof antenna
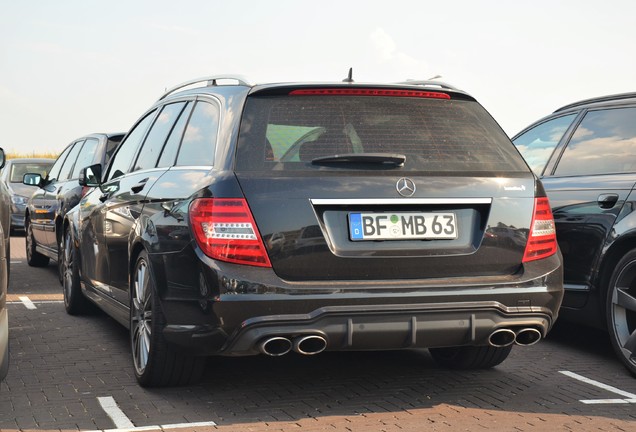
{"x": 349, "y": 79}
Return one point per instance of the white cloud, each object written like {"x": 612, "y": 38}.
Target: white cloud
{"x": 400, "y": 63}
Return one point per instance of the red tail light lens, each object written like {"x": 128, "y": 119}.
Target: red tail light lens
{"x": 225, "y": 230}
{"x": 369, "y": 92}
{"x": 542, "y": 241}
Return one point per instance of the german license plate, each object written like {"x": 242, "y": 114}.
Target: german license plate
{"x": 402, "y": 226}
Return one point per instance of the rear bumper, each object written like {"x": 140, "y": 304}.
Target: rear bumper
{"x": 353, "y": 317}
{"x": 395, "y": 327}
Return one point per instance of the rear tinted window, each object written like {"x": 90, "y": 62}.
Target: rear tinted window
{"x": 287, "y": 132}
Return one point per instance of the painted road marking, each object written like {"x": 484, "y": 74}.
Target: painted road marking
{"x": 123, "y": 423}
{"x": 116, "y": 415}
{"x": 35, "y": 297}
{"x": 629, "y": 397}
{"x": 27, "y": 302}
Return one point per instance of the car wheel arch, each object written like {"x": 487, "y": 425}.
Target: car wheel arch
{"x": 610, "y": 258}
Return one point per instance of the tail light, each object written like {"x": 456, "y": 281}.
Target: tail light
{"x": 225, "y": 230}
{"x": 542, "y": 241}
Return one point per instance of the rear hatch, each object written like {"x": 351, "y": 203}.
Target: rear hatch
{"x": 359, "y": 183}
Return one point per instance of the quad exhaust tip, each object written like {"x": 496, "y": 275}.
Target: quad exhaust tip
{"x": 502, "y": 338}
{"x": 310, "y": 345}
{"x": 523, "y": 337}
{"x": 528, "y": 336}
{"x": 276, "y": 346}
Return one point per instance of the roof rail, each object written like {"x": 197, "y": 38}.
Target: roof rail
{"x": 211, "y": 81}
{"x": 429, "y": 83}
{"x": 599, "y": 99}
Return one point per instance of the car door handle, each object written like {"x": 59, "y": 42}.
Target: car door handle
{"x": 607, "y": 201}
{"x": 139, "y": 186}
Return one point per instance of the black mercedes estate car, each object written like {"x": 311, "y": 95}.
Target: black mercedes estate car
{"x": 585, "y": 155}
{"x": 239, "y": 219}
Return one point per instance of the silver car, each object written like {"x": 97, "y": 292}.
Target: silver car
{"x": 12, "y": 177}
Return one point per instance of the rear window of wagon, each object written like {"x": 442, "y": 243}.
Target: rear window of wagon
{"x": 283, "y": 133}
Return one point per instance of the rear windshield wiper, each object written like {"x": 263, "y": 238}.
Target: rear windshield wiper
{"x": 370, "y": 158}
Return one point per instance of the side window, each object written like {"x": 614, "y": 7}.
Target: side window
{"x": 157, "y": 136}
{"x": 537, "y": 144}
{"x": 123, "y": 158}
{"x": 604, "y": 143}
{"x": 54, "y": 173}
{"x": 111, "y": 146}
{"x": 169, "y": 153}
{"x": 199, "y": 140}
{"x": 86, "y": 156}
{"x": 65, "y": 172}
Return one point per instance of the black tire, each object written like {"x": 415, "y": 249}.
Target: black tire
{"x": 470, "y": 357}
{"x": 74, "y": 301}
{"x": 154, "y": 362}
{"x": 34, "y": 258}
{"x": 621, "y": 310}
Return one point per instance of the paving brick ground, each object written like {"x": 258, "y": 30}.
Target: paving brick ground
{"x": 61, "y": 365}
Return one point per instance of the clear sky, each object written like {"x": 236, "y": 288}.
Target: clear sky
{"x": 71, "y": 67}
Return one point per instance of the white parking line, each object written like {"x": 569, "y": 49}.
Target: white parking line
{"x": 116, "y": 415}
{"x": 27, "y": 302}
{"x": 629, "y": 397}
{"x": 123, "y": 423}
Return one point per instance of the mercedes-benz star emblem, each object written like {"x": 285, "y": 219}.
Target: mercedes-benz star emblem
{"x": 405, "y": 187}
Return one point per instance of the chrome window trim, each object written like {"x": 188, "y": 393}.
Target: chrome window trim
{"x": 392, "y": 201}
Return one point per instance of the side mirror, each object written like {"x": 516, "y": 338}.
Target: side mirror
{"x": 3, "y": 158}
{"x": 32, "y": 179}
{"x": 91, "y": 176}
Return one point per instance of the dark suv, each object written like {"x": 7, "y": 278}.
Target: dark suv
{"x": 585, "y": 154}
{"x": 60, "y": 191}
{"x": 238, "y": 219}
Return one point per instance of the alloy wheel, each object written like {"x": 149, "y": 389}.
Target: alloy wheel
{"x": 141, "y": 317}
{"x": 68, "y": 258}
{"x": 622, "y": 313}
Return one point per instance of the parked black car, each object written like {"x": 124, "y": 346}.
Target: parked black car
{"x": 60, "y": 191}
{"x": 238, "y": 219}
{"x": 5, "y": 221}
{"x": 12, "y": 176}
{"x": 585, "y": 154}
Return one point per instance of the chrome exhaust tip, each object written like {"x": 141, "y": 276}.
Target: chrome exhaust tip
{"x": 310, "y": 345}
{"x": 528, "y": 336}
{"x": 275, "y": 346}
{"x": 502, "y": 338}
